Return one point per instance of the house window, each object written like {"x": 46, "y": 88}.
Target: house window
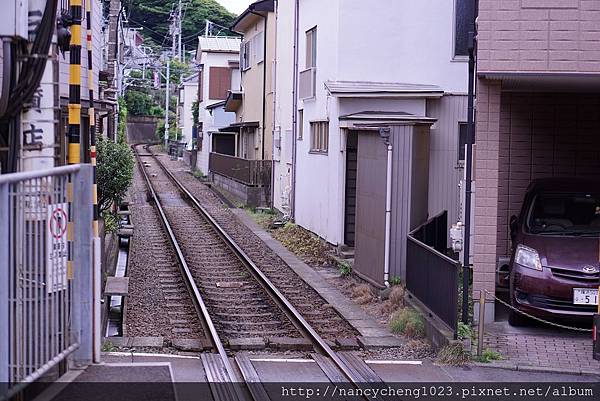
{"x": 311, "y": 48}
{"x": 463, "y": 22}
{"x": 319, "y": 136}
{"x": 219, "y": 82}
{"x": 245, "y": 52}
{"x": 259, "y": 47}
{"x": 300, "y": 124}
{"x": 463, "y": 130}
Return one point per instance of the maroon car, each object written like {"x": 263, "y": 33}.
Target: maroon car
{"x": 555, "y": 263}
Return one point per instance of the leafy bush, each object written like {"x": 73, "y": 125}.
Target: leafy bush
{"x": 111, "y": 222}
{"x": 122, "y": 125}
{"x": 408, "y": 322}
{"x": 140, "y": 103}
{"x": 345, "y": 268}
{"x": 464, "y": 331}
{"x": 114, "y": 172}
{"x": 395, "y": 280}
{"x": 488, "y": 355}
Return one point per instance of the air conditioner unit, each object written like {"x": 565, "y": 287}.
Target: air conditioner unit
{"x": 14, "y": 20}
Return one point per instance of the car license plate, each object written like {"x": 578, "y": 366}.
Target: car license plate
{"x": 585, "y": 296}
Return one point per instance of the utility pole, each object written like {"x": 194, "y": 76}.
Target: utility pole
{"x": 167, "y": 103}
{"x": 179, "y": 22}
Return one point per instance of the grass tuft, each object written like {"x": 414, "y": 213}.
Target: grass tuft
{"x": 408, "y": 322}
{"x": 453, "y": 354}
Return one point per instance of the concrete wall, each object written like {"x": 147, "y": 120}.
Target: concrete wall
{"x": 250, "y": 196}
{"x": 400, "y": 41}
{"x": 539, "y": 36}
{"x": 141, "y": 129}
{"x": 283, "y": 110}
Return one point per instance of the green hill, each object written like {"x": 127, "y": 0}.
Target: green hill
{"x": 153, "y": 16}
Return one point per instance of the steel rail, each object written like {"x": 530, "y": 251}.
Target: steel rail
{"x": 297, "y": 319}
{"x": 205, "y": 318}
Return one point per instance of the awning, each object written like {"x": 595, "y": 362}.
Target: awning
{"x": 382, "y": 118}
{"x": 382, "y": 89}
{"x": 233, "y": 101}
{"x": 545, "y": 82}
{"x": 235, "y": 127}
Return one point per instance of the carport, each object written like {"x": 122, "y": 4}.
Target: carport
{"x": 528, "y": 126}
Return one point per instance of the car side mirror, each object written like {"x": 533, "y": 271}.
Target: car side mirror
{"x": 514, "y": 226}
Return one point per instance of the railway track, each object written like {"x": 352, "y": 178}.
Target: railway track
{"x": 233, "y": 296}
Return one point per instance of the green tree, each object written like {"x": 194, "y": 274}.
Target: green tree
{"x": 140, "y": 103}
{"x": 114, "y": 172}
{"x": 153, "y": 16}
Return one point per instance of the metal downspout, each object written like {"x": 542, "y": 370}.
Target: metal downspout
{"x": 469, "y": 169}
{"x": 294, "y": 110}
{"x": 385, "y": 135}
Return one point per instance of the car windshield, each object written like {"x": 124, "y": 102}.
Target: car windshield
{"x": 564, "y": 214}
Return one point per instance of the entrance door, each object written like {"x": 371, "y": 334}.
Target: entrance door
{"x": 350, "y": 197}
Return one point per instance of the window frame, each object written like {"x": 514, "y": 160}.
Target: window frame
{"x": 312, "y": 33}
{"x": 319, "y": 137}
{"x": 245, "y": 55}
{"x": 455, "y": 55}
{"x": 300, "y": 123}
{"x": 462, "y": 144}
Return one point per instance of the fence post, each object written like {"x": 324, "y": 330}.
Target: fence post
{"x": 481, "y": 322}
{"x": 4, "y": 288}
{"x": 83, "y": 291}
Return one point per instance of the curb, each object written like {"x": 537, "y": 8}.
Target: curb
{"x": 536, "y": 369}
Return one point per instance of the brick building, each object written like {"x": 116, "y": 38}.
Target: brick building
{"x": 538, "y": 97}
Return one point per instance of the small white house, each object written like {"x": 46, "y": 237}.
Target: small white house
{"x": 218, "y": 58}
{"x": 361, "y": 66}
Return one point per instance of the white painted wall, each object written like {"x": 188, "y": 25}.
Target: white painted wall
{"x": 209, "y": 123}
{"x": 284, "y": 81}
{"x": 379, "y": 40}
{"x": 186, "y": 118}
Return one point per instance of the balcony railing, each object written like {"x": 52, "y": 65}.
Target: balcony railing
{"x": 254, "y": 173}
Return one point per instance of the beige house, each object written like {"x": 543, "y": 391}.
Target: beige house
{"x": 250, "y": 174}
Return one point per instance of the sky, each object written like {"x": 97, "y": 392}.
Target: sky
{"x": 235, "y": 6}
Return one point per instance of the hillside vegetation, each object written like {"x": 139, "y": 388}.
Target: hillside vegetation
{"x": 153, "y": 16}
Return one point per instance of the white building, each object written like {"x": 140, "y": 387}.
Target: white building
{"x": 219, "y": 63}
{"x": 187, "y": 94}
{"x": 363, "y": 65}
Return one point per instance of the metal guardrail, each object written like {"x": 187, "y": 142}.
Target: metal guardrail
{"x": 248, "y": 172}
{"x": 431, "y": 276}
{"x": 46, "y": 307}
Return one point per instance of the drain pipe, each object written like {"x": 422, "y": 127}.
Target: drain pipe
{"x": 385, "y": 135}
{"x": 294, "y": 111}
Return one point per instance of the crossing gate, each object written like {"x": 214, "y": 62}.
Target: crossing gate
{"x": 46, "y": 273}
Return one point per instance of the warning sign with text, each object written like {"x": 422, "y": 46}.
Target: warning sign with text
{"x": 56, "y": 267}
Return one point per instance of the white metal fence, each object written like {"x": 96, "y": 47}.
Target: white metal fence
{"x": 46, "y": 302}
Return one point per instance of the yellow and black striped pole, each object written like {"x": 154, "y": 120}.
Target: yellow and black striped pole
{"x": 74, "y": 137}
{"x": 91, "y": 111}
